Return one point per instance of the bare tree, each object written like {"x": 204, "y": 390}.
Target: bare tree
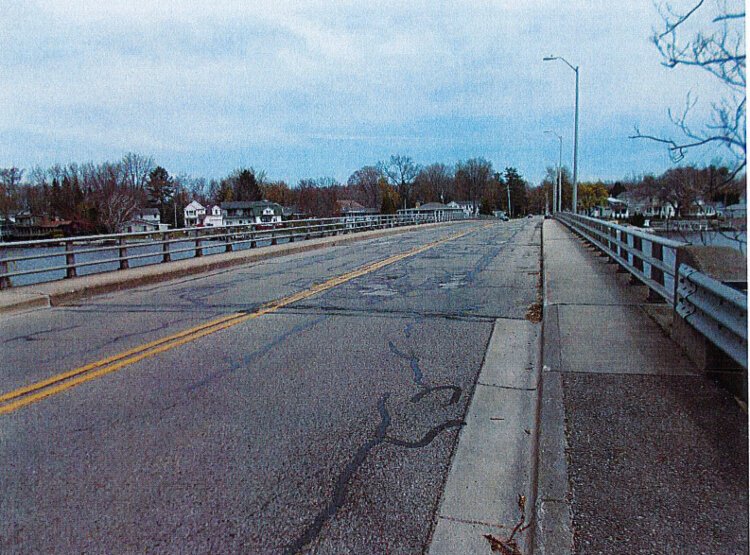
{"x": 719, "y": 49}
{"x": 472, "y": 178}
{"x": 435, "y": 183}
{"x": 136, "y": 169}
{"x": 401, "y": 172}
{"x": 366, "y": 182}
{"x": 114, "y": 199}
{"x": 10, "y": 179}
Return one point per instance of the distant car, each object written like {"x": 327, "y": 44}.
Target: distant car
{"x": 530, "y": 216}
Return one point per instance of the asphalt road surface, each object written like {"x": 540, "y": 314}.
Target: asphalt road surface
{"x": 200, "y": 418}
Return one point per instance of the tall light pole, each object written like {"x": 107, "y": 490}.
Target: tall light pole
{"x": 575, "y": 139}
{"x": 557, "y": 191}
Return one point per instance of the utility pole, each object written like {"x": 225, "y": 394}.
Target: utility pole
{"x": 507, "y": 188}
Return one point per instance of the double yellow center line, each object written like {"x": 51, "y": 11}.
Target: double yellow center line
{"x": 31, "y": 393}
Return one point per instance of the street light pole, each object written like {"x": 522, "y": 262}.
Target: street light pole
{"x": 575, "y": 139}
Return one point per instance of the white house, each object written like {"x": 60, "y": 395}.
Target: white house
{"x": 251, "y": 212}
{"x": 194, "y": 214}
{"x": 469, "y": 208}
{"x": 215, "y": 218}
{"x": 144, "y": 219}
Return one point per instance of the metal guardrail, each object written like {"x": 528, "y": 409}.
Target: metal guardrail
{"x": 716, "y": 310}
{"x": 649, "y": 258}
{"x": 63, "y": 258}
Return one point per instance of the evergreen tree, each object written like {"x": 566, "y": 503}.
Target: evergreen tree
{"x": 246, "y": 186}
{"x": 56, "y": 199}
{"x": 517, "y": 186}
{"x": 160, "y": 188}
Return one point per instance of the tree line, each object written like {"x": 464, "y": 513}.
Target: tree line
{"x": 100, "y": 197}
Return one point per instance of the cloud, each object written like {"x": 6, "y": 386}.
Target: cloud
{"x": 191, "y": 81}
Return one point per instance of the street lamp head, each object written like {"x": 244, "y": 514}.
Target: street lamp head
{"x": 549, "y": 58}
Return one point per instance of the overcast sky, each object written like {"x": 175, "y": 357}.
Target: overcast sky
{"x": 322, "y": 88}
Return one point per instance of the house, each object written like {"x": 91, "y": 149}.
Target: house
{"x": 149, "y": 215}
{"x": 615, "y": 208}
{"x": 143, "y": 219}
{"x": 701, "y": 209}
{"x": 29, "y": 226}
{"x": 251, "y": 212}
{"x": 649, "y": 207}
{"x": 436, "y": 210}
{"x": 353, "y": 208}
{"x": 215, "y": 218}
{"x": 6, "y": 225}
{"x": 293, "y": 213}
{"x": 469, "y": 207}
{"x": 194, "y": 214}
{"x": 26, "y": 218}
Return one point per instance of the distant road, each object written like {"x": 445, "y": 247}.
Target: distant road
{"x": 304, "y": 403}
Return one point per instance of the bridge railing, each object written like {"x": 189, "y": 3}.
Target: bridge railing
{"x": 716, "y": 310}
{"x": 649, "y": 258}
{"x": 27, "y": 262}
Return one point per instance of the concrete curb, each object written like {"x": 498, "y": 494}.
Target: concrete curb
{"x": 493, "y": 461}
{"x": 553, "y": 523}
{"x": 55, "y": 293}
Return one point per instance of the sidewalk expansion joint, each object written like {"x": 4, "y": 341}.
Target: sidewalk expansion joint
{"x": 507, "y": 387}
{"x": 477, "y": 522}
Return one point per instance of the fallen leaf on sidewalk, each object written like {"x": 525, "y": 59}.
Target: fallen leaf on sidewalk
{"x": 504, "y": 545}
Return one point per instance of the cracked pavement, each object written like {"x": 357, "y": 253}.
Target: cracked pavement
{"x": 327, "y": 426}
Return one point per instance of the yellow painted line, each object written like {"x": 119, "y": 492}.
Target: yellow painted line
{"x": 28, "y": 394}
{"x": 65, "y": 375}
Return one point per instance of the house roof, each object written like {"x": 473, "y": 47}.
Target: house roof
{"x": 196, "y": 205}
{"x": 147, "y": 211}
{"x": 345, "y": 203}
{"x": 235, "y": 204}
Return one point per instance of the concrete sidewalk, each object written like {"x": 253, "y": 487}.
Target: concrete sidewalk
{"x": 19, "y": 299}
{"x": 639, "y": 453}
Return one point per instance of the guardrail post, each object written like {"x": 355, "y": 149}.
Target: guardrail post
{"x": 657, "y": 252}
{"x": 165, "y": 256}
{"x": 123, "y": 254}
{"x": 198, "y": 248}
{"x": 70, "y": 260}
{"x": 253, "y": 242}
{"x": 4, "y": 281}
{"x": 228, "y": 239}
{"x": 307, "y": 231}
{"x": 291, "y": 233}
{"x": 273, "y": 234}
